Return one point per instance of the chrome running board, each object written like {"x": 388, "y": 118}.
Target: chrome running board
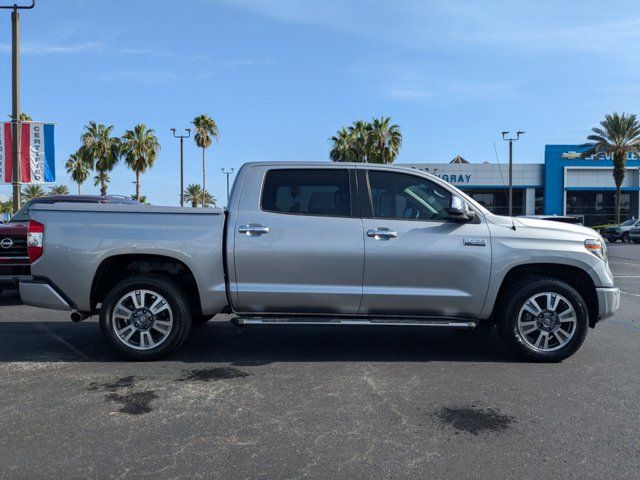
{"x": 385, "y": 322}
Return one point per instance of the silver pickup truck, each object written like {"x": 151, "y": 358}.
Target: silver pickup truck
{"x": 321, "y": 243}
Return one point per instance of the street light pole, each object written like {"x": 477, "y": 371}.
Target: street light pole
{"x": 15, "y": 96}
{"x": 182, "y": 137}
{"x": 511, "y": 140}
{"x": 227, "y": 173}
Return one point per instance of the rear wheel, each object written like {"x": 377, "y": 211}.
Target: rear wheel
{"x": 145, "y": 317}
{"x": 543, "y": 319}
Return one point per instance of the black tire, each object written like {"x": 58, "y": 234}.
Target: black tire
{"x": 180, "y": 310}
{"x": 612, "y": 240}
{"x": 514, "y": 300}
{"x": 199, "y": 320}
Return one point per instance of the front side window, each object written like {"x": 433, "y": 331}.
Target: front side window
{"x": 323, "y": 192}
{"x": 406, "y": 197}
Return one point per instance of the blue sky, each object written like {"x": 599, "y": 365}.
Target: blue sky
{"x": 281, "y": 76}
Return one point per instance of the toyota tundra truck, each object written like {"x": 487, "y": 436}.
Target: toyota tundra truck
{"x": 321, "y": 244}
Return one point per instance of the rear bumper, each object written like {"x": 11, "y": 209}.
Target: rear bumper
{"x": 41, "y": 294}
{"x": 608, "y": 301}
{"x": 12, "y": 281}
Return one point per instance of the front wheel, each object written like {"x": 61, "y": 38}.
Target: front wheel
{"x": 626, "y": 238}
{"x": 145, "y": 317}
{"x": 543, "y": 319}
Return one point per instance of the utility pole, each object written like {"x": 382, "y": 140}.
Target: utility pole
{"x": 227, "y": 173}
{"x": 511, "y": 140}
{"x": 182, "y": 137}
{"x": 15, "y": 95}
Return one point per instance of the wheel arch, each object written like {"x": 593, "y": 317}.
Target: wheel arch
{"x": 572, "y": 275}
{"x": 116, "y": 268}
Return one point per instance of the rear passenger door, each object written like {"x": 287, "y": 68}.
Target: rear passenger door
{"x": 298, "y": 242}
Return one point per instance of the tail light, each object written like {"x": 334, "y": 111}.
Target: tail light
{"x": 35, "y": 234}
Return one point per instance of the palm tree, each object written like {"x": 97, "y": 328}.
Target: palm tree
{"x": 102, "y": 178}
{"x": 193, "y": 194}
{"x": 378, "y": 141}
{"x": 360, "y": 132}
{"x": 210, "y": 200}
{"x": 618, "y": 135}
{"x": 7, "y": 207}
{"x": 140, "y": 198}
{"x": 100, "y": 150}
{"x": 206, "y": 130}
{"x": 140, "y": 149}
{"x": 343, "y": 148}
{"x": 24, "y": 117}
{"x": 384, "y": 140}
{"x": 79, "y": 169}
{"x": 32, "y": 191}
{"x": 59, "y": 190}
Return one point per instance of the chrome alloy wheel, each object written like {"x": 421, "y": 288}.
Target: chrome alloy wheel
{"x": 142, "y": 319}
{"x": 547, "y": 321}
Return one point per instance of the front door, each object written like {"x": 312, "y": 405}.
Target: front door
{"x": 418, "y": 261}
{"x": 298, "y": 247}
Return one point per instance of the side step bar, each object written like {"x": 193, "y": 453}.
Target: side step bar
{"x": 394, "y": 322}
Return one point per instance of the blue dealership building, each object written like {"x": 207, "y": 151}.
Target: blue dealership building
{"x": 565, "y": 184}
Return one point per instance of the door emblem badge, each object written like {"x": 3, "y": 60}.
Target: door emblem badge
{"x": 475, "y": 242}
{"x": 6, "y": 243}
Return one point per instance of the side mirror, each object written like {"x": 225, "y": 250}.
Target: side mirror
{"x": 459, "y": 210}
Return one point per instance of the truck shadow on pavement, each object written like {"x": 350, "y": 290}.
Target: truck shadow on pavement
{"x": 220, "y": 341}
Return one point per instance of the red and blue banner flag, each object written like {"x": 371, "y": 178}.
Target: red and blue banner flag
{"x": 37, "y": 153}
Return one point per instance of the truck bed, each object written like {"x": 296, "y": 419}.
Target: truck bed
{"x": 78, "y": 238}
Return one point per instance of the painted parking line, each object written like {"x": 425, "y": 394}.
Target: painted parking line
{"x": 629, "y": 293}
{"x": 61, "y": 340}
{"x": 626, "y": 276}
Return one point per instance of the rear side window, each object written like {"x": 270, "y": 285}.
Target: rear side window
{"x": 322, "y": 192}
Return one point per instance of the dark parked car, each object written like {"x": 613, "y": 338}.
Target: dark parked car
{"x": 622, "y": 231}
{"x": 14, "y": 262}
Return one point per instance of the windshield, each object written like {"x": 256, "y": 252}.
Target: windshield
{"x": 628, "y": 223}
{"x": 22, "y": 215}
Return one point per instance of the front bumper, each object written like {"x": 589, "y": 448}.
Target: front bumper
{"x": 608, "y": 301}
{"x": 41, "y": 294}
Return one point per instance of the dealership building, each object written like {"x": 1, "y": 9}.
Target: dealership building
{"x": 565, "y": 184}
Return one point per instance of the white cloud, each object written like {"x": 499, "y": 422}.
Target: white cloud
{"x": 454, "y": 24}
{"x": 141, "y": 76}
{"x": 52, "y": 49}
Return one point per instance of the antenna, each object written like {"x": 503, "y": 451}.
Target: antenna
{"x": 495, "y": 150}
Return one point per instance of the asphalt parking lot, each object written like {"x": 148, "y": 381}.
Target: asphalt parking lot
{"x": 333, "y": 402}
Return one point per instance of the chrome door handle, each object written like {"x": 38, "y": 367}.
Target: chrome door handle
{"x": 253, "y": 229}
{"x": 381, "y": 233}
